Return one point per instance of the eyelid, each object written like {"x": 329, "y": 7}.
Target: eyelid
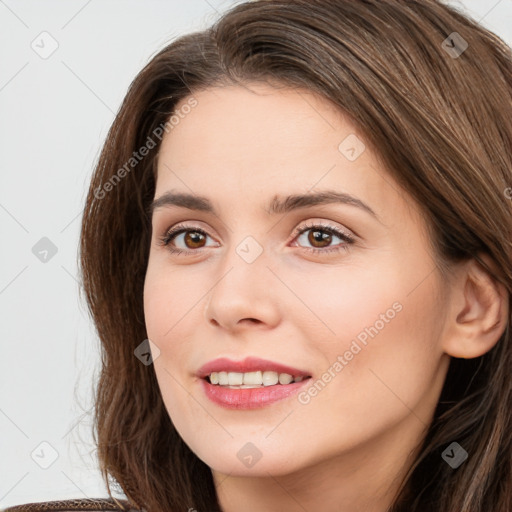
{"x": 324, "y": 225}
{"x": 345, "y": 235}
{"x": 176, "y": 230}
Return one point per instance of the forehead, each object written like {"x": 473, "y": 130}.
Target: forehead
{"x": 261, "y": 129}
{"x": 287, "y": 115}
{"x": 240, "y": 143}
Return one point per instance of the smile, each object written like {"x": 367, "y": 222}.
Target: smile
{"x": 249, "y": 384}
{"x": 252, "y": 379}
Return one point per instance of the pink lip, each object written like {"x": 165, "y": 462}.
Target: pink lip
{"x": 252, "y": 398}
{"x": 249, "y": 364}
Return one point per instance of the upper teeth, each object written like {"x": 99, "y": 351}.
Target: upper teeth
{"x": 251, "y": 379}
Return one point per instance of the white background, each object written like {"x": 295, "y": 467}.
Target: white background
{"x": 54, "y": 115}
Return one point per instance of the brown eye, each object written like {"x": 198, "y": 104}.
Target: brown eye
{"x": 319, "y": 238}
{"x": 194, "y": 239}
{"x": 185, "y": 239}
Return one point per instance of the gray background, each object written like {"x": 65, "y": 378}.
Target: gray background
{"x": 54, "y": 114}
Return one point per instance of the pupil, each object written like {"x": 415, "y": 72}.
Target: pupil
{"x": 194, "y": 237}
{"x": 319, "y": 237}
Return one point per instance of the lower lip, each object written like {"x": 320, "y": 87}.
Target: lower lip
{"x": 253, "y": 398}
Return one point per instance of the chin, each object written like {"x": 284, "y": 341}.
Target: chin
{"x": 254, "y": 458}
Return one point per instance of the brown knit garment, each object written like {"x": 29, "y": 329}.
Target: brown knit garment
{"x": 71, "y": 505}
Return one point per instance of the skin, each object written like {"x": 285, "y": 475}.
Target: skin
{"x": 348, "y": 447}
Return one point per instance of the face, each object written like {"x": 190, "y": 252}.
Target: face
{"x": 337, "y": 300}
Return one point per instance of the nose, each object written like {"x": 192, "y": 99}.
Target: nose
{"x": 245, "y": 295}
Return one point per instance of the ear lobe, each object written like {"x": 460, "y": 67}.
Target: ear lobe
{"x": 478, "y": 324}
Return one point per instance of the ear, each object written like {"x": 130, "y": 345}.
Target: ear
{"x": 478, "y": 312}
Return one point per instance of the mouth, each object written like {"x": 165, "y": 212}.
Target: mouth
{"x": 251, "y": 383}
{"x": 252, "y": 380}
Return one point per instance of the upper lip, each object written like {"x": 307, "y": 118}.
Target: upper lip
{"x": 249, "y": 364}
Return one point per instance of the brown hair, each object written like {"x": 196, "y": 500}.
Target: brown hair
{"x": 441, "y": 123}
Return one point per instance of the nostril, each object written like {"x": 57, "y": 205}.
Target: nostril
{"x": 251, "y": 320}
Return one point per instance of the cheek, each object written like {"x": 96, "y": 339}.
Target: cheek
{"x": 163, "y": 309}
{"x": 339, "y": 302}
{"x": 385, "y": 328}
{"x": 168, "y": 295}
{"x": 388, "y": 354}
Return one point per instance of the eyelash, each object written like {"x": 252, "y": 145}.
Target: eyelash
{"x": 177, "y": 230}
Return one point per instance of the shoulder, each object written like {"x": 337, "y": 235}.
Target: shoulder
{"x": 98, "y": 504}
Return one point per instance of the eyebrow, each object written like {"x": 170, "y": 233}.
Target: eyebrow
{"x": 278, "y": 205}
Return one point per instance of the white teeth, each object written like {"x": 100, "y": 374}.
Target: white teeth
{"x": 285, "y": 378}
{"x": 252, "y": 379}
{"x": 235, "y": 378}
{"x": 270, "y": 378}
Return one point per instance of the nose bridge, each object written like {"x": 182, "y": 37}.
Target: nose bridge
{"x": 244, "y": 288}
{"x": 246, "y": 258}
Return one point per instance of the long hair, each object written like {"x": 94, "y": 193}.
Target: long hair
{"x": 431, "y": 91}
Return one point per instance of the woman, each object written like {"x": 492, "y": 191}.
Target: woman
{"x": 296, "y": 249}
